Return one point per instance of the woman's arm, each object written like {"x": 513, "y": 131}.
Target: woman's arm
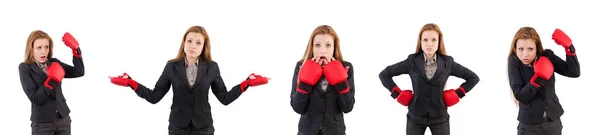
{"x": 346, "y": 98}
{"x": 37, "y": 93}
{"x": 298, "y": 100}
{"x": 387, "y": 74}
{"x": 161, "y": 87}
{"x": 220, "y": 90}
{"x": 522, "y": 90}
{"x": 569, "y": 68}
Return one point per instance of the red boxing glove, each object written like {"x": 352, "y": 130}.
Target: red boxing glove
{"x": 562, "y": 39}
{"x": 543, "y": 69}
{"x": 124, "y": 80}
{"x": 450, "y": 97}
{"x": 258, "y": 80}
{"x": 55, "y": 72}
{"x": 308, "y": 76}
{"x": 335, "y": 72}
{"x": 337, "y": 75}
{"x": 404, "y": 97}
{"x": 70, "y": 41}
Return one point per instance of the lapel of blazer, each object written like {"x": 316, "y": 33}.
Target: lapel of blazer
{"x": 420, "y": 63}
{"x": 441, "y": 65}
{"x": 38, "y": 70}
{"x": 201, "y": 72}
{"x": 180, "y": 69}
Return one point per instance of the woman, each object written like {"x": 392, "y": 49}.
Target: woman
{"x": 531, "y": 76}
{"x": 429, "y": 68}
{"x": 41, "y": 76}
{"x": 191, "y": 74}
{"x": 323, "y": 85}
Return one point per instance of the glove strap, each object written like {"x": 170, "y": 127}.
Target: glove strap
{"x": 570, "y": 50}
{"x": 533, "y": 80}
{"x": 343, "y": 87}
{"x": 244, "y": 85}
{"x": 395, "y": 92}
{"x": 48, "y": 85}
{"x": 133, "y": 84}
{"x": 304, "y": 87}
{"x": 76, "y": 52}
{"x": 461, "y": 92}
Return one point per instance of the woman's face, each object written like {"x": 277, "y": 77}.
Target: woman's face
{"x": 41, "y": 48}
{"x": 323, "y": 46}
{"x": 526, "y": 50}
{"x": 429, "y": 42}
{"x": 194, "y": 44}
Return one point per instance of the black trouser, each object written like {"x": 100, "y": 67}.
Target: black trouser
{"x": 435, "y": 128}
{"x": 191, "y": 130}
{"x": 60, "y": 126}
{"x": 548, "y": 127}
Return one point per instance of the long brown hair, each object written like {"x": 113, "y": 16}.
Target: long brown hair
{"x": 205, "y": 55}
{"x": 323, "y": 29}
{"x": 35, "y": 35}
{"x": 431, "y": 26}
{"x": 525, "y": 33}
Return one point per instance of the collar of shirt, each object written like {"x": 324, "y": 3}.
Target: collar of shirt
{"x": 434, "y": 57}
{"x": 186, "y": 63}
{"x": 41, "y": 65}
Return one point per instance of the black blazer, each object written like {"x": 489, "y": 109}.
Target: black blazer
{"x": 190, "y": 103}
{"x": 322, "y": 109}
{"x": 534, "y": 101}
{"x": 45, "y": 102}
{"x": 428, "y": 106}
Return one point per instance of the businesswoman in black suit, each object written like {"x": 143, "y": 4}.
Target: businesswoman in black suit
{"x": 531, "y": 77}
{"x": 191, "y": 74}
{"x": 429, "y": 68}
{"x": 41, "y": 77}
{"x": 322, "y": 85}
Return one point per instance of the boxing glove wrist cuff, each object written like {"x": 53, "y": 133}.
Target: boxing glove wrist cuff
{"x": 570, "y": 50}
{"x": 244, "y": 85}
{"x": 303, "y": 87}
{"x": 77, "y": 52}
{"x": 461, "y": 92}
{"x": 50, "y": 83}
{"x": 342, "y": 87}
{"x": 395, "y": 92}
{"x": 133, "y": 84}
{"x": 537, "y": 82}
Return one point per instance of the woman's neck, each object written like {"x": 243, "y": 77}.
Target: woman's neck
{"x": 191, "y": 60}
{"x": 429, "y": 56}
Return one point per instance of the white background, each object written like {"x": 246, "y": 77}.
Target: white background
{"x": 268, "y": 37}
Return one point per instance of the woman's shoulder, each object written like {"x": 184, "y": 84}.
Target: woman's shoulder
{"x": 347, "y": 64}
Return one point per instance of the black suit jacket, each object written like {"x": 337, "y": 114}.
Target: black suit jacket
{"x": 190, "y": 103}
{"x": 428, "y": 106}
{"x": 322, "y": 109}
{"x": 534, "y": 101}
{"x": 45, "y": 102}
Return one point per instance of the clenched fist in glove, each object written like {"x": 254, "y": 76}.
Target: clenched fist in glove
{"x": 124, "y": 80}
{"x": 337, "y": 75}
{"x": 70, "y": 41}
{"x": 562, "y": 39}
{"x": 253, "y": 80}
{"x": 308, "y": 76}
{"x": 451, "y": 96}
{"x": 543, "y": 69}
{"x": 55, "y": 74}
{"x": 404, "y": 96}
